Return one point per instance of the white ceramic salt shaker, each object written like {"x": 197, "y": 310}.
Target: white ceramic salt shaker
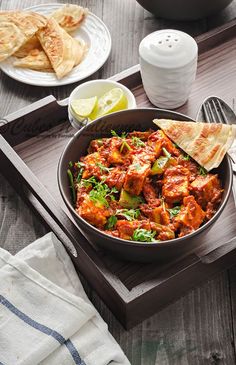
{"x": 168, "y": 61}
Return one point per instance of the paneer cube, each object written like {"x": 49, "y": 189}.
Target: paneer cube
{"x": 116, "y": 178}
{"x": 135, "y": 177}
{"x": 206, "y": 189}
{"x": 92, "y": 163}
{"x": 116, "y": 156}
{"x": 93, "y": 213}
{"x": 175, "y": 184}
{"x": 150, "y": 193}
{"x": 126, "y": 228}
{"x": 156, "y": 214}
{"x": 190, "y": 216}
{"x": 158, "y": 140}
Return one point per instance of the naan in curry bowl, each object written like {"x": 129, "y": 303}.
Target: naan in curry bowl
{"x": 206, "y": 143}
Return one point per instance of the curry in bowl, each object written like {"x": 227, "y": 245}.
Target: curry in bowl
{"x": 140, "y": 186}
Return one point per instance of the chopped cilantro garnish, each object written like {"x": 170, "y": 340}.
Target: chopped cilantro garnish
{"x": 144, "y": 235}
{"x": 98, "y": 197}
{"x": 186, "y": 157}
{"x": 100, "y": 191}
{"x": 72, "y": 187}
{"x": 129, "y": 214}
{"x": 111, "y": 222}
{"x": 88, "y": 182}
{"x": 80, "y": 165}
{"x": 137, "y": 142}
{"x": 174, "y": 211}
{"x": 124, "y": 145}
{"x": 114, "y": 134}
{"x": 103, "y": 168}
{"x": 202, "y": 171}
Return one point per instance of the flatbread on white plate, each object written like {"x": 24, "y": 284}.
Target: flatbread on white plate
{"x": 63, "y": 51}
{"x": 36, "y": 60}
{"x": 16, "y": 28}
{"x": 206, "y": 143}
{"x": 70, "y": 16}
{"x": 32, "y": 44}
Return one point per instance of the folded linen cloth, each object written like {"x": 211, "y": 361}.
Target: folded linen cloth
{"x": 45, "y": 316}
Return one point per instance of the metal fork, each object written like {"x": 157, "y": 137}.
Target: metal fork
{"x": 216, "y": 110}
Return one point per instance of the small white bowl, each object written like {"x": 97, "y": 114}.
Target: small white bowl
{"x": 96, "y": 88}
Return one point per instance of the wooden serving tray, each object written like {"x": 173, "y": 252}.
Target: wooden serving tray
{"x": 31, "y": 143}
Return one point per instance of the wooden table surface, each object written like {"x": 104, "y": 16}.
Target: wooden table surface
{"x": 200, "y": 327}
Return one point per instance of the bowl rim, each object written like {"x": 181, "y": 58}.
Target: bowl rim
{"x": 129, "y": 243}
{"x": 104, "y": 81}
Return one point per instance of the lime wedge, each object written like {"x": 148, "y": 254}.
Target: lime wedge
{"x": 84, "y": 107}
{"x": 112, "y": 101}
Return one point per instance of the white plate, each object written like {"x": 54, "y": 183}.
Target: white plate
{"x": 93, "y": 31}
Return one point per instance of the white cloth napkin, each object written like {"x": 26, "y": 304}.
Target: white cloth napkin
{"x": 45, "y": 315}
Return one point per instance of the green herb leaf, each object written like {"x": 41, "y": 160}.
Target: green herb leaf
{"x": 174, "y": 211}
{"x": 202, "y": 171}
{"x": 103, "y": 168}
{"x": 129, "y": 214}
{"x": 138, "y": 142}
{"x": 98, "y": 197}
{"x": 88, "y": 182}
{"x": 124, "y": 145}
{"x": 70, "y": 164}
{"x": 80, "y": 166}
{"x": 111, "y": 222}
{"x": 79, "y": 176}
{"x": 144, "y": 235}
{"x": 100, "y": 191}
{"x": 114, "y": 134}
{"x": 186, "y": 157}
{"x": 72, "y": 187}
{"x": 166, "y": 153}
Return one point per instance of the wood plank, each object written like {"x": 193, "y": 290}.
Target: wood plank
{"x": 232, "y": 287}
{"x": 194, "y": 330}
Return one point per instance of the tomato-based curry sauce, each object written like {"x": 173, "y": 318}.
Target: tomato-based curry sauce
{"x": 140, "y": 186}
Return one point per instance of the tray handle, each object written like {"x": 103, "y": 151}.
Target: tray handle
{"x": 86, "y": 259}
{"x": 33, "y": 119}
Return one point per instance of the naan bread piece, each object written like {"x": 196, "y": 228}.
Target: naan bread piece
{"x": 70, "y": 17}
{"x": 32, "y": 44}
{"x": 11, "y": 38}
{"x": 206, "y": 143}
{"x": 16, "y": 28}
{"x": 80, "y": 49}
{"x": 35, "y": 60}
{"x": 60, "y": 47}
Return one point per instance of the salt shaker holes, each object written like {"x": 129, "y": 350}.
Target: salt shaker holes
{"x": 168, "y": 60}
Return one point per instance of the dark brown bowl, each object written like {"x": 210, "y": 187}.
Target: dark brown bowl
{"x": 130, "y": 120}
{"x": 184, "y": 9}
